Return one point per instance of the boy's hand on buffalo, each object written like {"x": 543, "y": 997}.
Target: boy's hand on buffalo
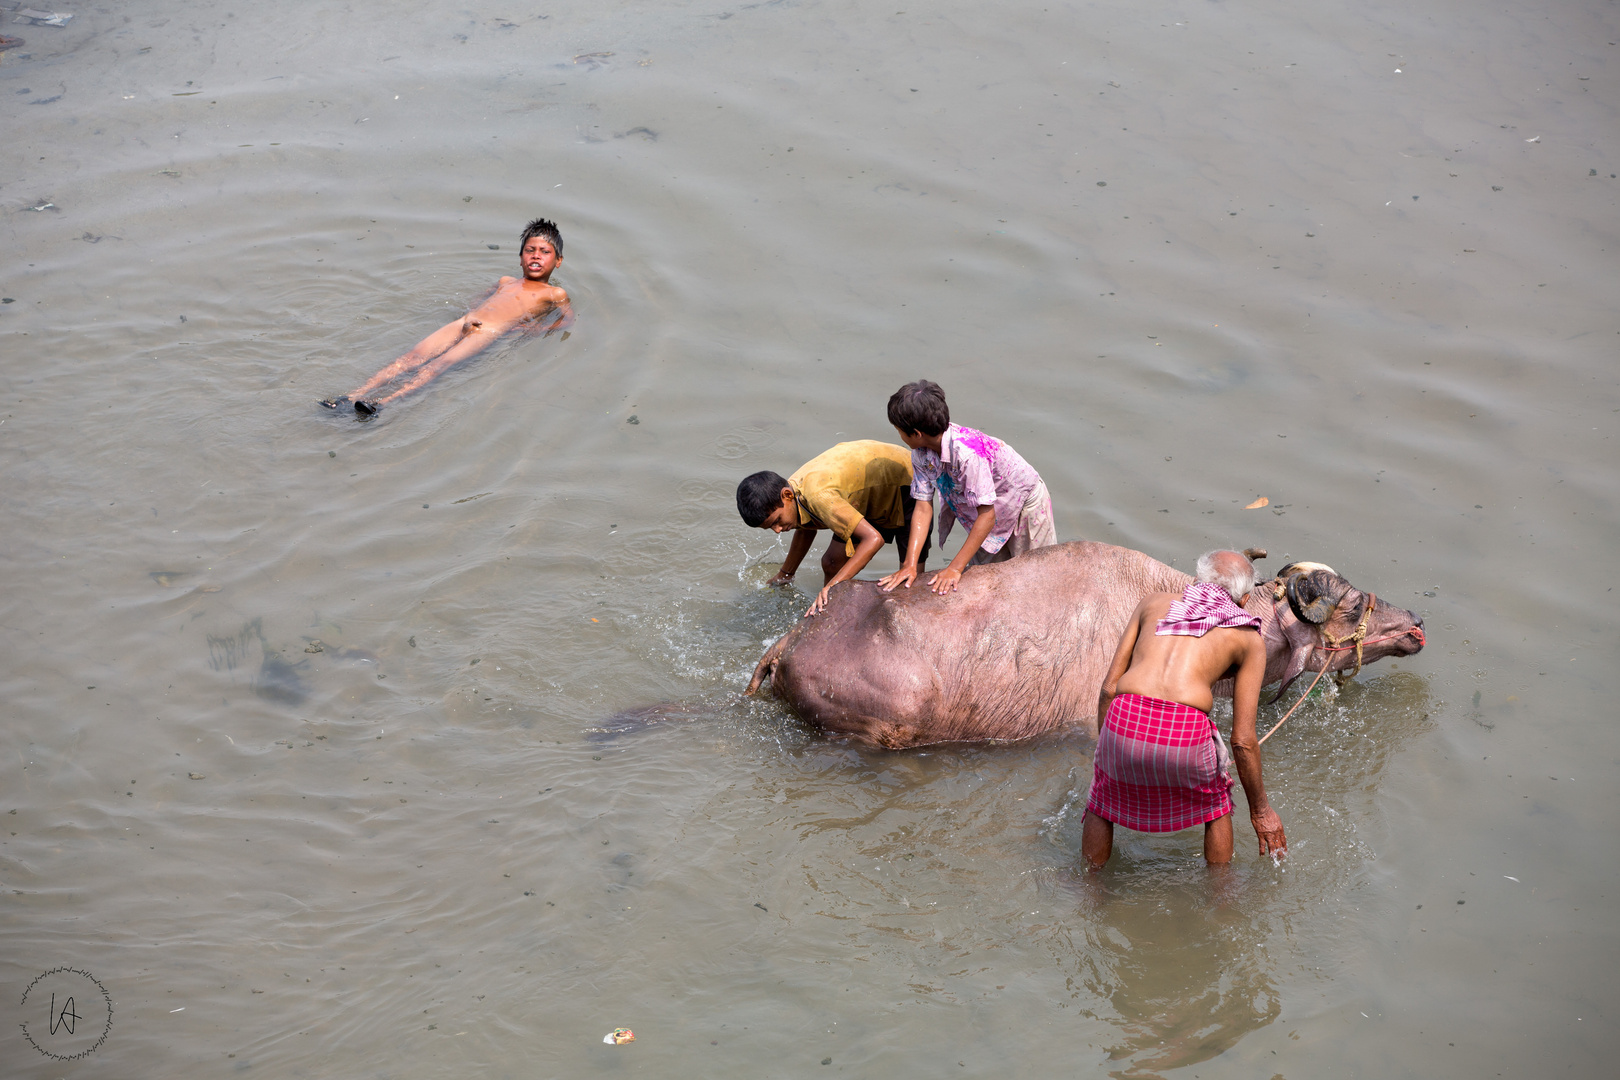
{"x": 821, "y": 602}
{"x": 944, "y": 581}
{"x": 903, "y": 576}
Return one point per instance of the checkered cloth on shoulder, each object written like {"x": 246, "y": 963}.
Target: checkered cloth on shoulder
{"x": 1203, "y": 606}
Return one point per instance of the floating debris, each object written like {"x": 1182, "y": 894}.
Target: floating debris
{"x": 57, "y": 19}
{"x": 1258, "y": 503}
{"x": 619, "y": 1036}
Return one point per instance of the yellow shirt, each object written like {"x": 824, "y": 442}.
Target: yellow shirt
{"x": 852, "y": 481}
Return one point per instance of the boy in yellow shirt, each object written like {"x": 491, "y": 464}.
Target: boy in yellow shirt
{"x": 861, "y": 491}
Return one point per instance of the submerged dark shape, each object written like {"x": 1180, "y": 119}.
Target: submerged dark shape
{"x": 281, "y": 681}
{"x": 1021, "y": 647}
{"x": 277, "y": 679}
{"x": 640, "y": 719}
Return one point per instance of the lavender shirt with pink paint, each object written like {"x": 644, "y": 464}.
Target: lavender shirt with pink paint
{"x": 972, "y": 470}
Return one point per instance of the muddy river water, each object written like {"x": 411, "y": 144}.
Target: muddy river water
{"x": 308, "y": 754}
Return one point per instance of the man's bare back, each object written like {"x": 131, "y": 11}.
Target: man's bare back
{"x": 515, "y": 302}
{"x": 1177, "y": 668}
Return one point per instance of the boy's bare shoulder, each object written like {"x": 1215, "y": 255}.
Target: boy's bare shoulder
{"x": 550, "y": 296}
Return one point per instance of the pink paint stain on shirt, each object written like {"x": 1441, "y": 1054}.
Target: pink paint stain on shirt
{"x": 978, "y": 442}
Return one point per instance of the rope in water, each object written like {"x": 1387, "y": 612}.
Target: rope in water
{"x": 1297, "y": 704}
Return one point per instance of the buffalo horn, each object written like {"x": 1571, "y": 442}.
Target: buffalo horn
{"x": 1279, "y": 584}
{"x": 1304, "y": 568}
{"x": 1310, "y": 603}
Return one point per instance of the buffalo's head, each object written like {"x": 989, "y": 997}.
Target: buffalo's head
{"x": 1318, "y": 621}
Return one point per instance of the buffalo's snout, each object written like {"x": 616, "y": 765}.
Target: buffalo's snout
{"x": 1415, "y": 635}
{"x": 1405, "y": 634}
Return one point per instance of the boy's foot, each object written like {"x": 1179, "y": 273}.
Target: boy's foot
{"x": 367, "y": 408}
{"x": 333, "y": 403}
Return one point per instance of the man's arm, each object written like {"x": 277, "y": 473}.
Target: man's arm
{"x": 1246, "y": 746}
{"x": 944, "y": 581}
{"x": 797, "y": 550}
{"x": 1121, "y": 664}
{"x": 922, "y": 519}
{"x": 868, "y": 542}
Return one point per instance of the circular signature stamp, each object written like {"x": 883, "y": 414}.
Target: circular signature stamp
{"x": 67, "y": 1013}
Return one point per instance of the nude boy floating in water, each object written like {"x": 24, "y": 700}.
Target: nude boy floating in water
{"x": 514, "y": 302}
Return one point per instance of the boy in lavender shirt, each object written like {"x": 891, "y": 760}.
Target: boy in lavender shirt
{"x": 981, "y": 481}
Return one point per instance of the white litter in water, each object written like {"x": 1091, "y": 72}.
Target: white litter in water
{"x": 1510, "y": 877}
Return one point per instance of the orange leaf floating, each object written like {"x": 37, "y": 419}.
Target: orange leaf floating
{"x": 1258, "y": 503}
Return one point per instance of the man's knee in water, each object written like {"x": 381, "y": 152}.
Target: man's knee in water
{"x": 1218, "y": 841}
{"x": 1096, "y": 840}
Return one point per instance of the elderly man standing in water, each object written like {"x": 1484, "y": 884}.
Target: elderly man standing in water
{"x": 1160, "y": 763}
{"x": 513, "y": 303}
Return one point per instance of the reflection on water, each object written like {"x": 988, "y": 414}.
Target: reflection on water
{"x": 1193, "y": 981}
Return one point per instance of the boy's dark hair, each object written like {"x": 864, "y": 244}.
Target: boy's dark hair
{"x": 758, "y": 496}
{"x": 543, "y": 228}
{"x": 920, "y": 406}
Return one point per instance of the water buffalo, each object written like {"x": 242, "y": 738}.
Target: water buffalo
{"x": 1022, "y": 646}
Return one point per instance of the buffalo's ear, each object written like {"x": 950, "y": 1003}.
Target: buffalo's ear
{"x": 1310, "y": 602}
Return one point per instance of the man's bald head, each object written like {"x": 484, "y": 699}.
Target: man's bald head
{"x": 1231, "y": 570}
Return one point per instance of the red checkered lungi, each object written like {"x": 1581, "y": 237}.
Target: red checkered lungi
{"x": 1160, "y": 766}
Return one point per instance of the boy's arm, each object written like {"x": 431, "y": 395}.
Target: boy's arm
{"x": 566, "y": 319}
{"x": 1246, "y": 747}
{"x": 944, "y": 581}
{"x": 868, "y": 542}
{"x": 922, "y": 517}
{"x": 797, "y": 550}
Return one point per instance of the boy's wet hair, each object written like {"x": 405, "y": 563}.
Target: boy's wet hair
{"x": 758, "y": 496}
{"x": 542, "y": 228}
{"x": 920, "y": 406}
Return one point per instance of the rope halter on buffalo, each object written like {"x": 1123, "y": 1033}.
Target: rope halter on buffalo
{"x": 1356, "y": 641}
